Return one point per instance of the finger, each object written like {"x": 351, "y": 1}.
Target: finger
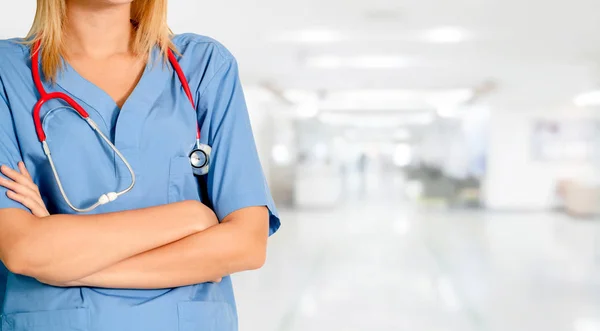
{"x": 13, "y": 174}
{"x": 28, "y": 202}
{"x": 13, "y": 186}
{"x": 18, "y": 177}
{"x": 30, "y": 199}
{"x": 24, "y": 171}
{"x": 32, "y": 204}
{"x": 19, "y": 188}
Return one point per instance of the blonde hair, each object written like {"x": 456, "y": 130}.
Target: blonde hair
{"x": 150, "y": 17}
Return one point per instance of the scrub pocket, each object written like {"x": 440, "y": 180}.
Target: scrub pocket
{"x": 183, "y": 185}
{"x": 57, "y": 320}
{"x": 206, "y": 316}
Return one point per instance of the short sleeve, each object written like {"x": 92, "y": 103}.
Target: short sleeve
{"x": 10, "y": 153}
{"x": 236, "y": 179}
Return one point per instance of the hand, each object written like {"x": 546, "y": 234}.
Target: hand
{"x": 22, "y": 189}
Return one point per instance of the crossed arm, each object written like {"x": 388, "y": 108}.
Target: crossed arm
{"x": 167, "y": 246}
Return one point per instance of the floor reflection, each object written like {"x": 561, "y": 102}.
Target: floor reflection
{"x": 384, "y": 265}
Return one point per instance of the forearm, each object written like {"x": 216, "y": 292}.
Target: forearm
{"x": 68, "y": 247}
{"x": 221, "y": 250}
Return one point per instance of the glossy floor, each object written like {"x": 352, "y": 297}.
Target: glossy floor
{"x": 382, "y": 265}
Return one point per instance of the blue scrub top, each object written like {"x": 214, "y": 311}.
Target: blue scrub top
{"x": 155, "y": 130}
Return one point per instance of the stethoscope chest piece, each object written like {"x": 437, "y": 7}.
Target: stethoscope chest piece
{"x": 200, "y": 159}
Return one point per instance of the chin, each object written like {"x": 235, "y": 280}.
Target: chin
{"x": 115, "y": 2}
{"x": 106, "y": 2}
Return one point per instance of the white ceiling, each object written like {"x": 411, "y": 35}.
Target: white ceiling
{"x": 540, "y": 52}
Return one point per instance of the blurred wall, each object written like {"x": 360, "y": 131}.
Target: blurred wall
{"x": 274, "y": 134}
{"x": 260, "y": 119}
{"x": 515, "y": 180}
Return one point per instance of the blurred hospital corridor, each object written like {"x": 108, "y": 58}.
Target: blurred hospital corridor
{"x": 387, "y": 266}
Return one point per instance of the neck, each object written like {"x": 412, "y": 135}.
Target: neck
{"x": 97, "y": 31}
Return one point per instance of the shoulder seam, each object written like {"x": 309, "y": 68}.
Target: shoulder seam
{"x": 9, "y": 45}
{"x": 211, "y": 41}
{"x": 216, "y": 45}
{"x": 212, "y": 78}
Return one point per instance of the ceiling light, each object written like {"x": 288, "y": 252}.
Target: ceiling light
{"x": 281, "y": 155}
{"x": 402, "y": 155}
{"x": 401, "y": 134}
{"x": 447, "y": 112}
{"x": 377, "y": 62}
{"x": 373, "y": 94}
{"x": 358, "y": 62}
{"x": 446, "y": 35}
{"x": 394, "y": 99}
{"x": 309, "y": 36}
{"x": 376, "y": 121}
{"x": 306, "y": 102}
{"x": 380, "y": 99}
{"x": 319, "y": 36}
{"x": 372, "y": 99}
{"x": 450, "y": 97}
{"x": 587, "y": 99}
{"x": 258, "y": 94}
{"x": 325, "y": 62}
{"x": 307, "y": 110}
{"x": 299, "y": 96}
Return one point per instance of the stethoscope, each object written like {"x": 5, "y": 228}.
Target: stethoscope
{"x": 199, "y": 157}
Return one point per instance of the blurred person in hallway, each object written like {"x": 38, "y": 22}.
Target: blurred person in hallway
{"x": 362, "y": 166}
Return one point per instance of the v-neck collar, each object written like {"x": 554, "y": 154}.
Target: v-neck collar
{"x": 151, "y": 85}
{"x": 145, "y": 93}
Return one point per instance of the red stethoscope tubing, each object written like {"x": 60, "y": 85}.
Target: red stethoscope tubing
{"x": 45, "y": 97}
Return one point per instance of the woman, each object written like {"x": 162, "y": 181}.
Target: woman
{"x": 156, "y": 258}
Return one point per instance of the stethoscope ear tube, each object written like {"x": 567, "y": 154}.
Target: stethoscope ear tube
{"x": 39, "y": 128}
{"x": 45, "y": 97}
{"x": 105, "y": 198}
